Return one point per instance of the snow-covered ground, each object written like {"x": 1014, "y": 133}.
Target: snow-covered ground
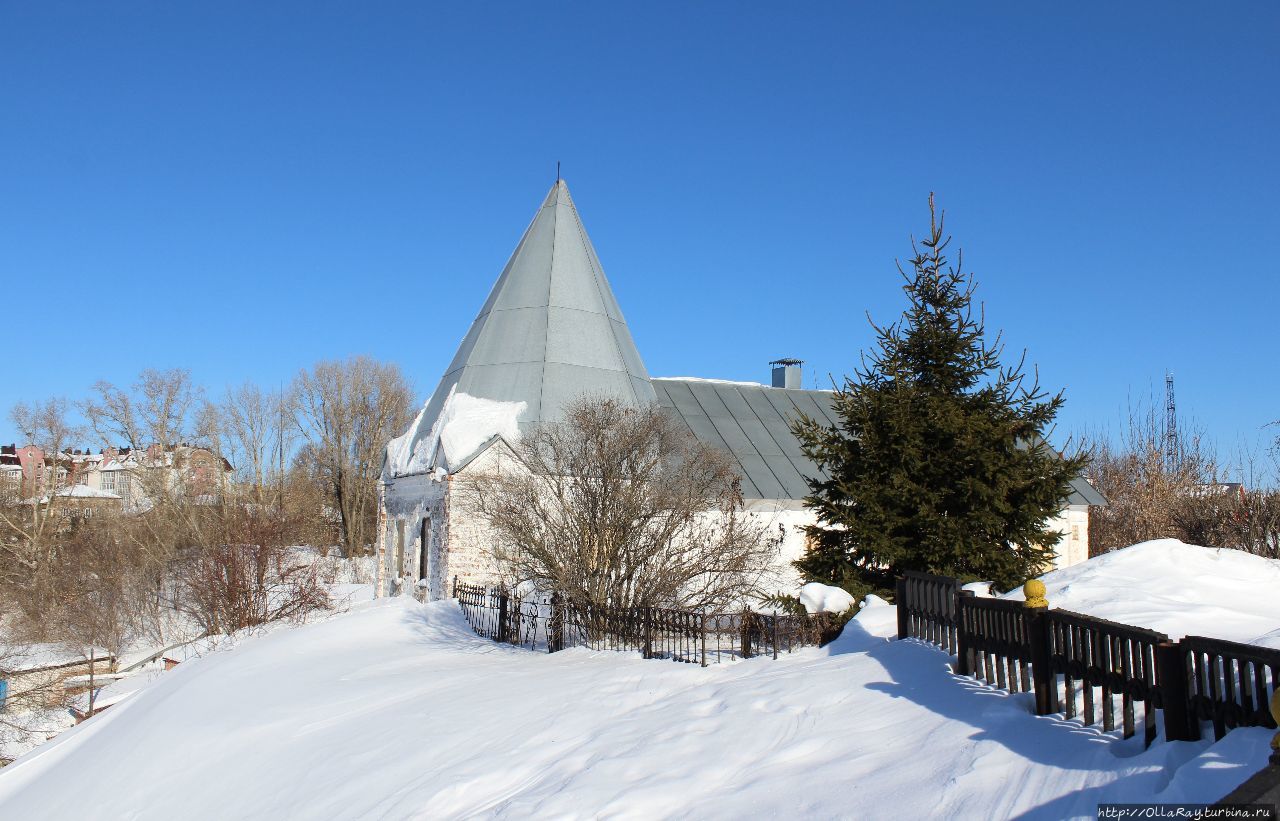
{"x": 179, "y": 637}
{"x": 396, "y": 710}
{"x": 1178, "y": 589}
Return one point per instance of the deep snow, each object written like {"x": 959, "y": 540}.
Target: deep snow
{"x": 1176, "y": 588}
{"x": 396, "y": 710}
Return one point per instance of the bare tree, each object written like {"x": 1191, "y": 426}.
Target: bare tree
{"x": 1156, "y": 491}
{"x": 347, "y": 411}
{"x": 157, "y": 411}
{"x": 31, "y": 517}
{"x": 253, "y": 423}
{"x": 617, "y": 506}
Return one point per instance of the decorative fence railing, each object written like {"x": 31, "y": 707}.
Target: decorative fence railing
{"x": 1086, "y": 667}
{"x": 927, "y": 608}
{"x": 1228, "y": 684}
{"x": 548, "y": 623}
{"x": 992, "y": 642}
{"x": 1098, "y": 661}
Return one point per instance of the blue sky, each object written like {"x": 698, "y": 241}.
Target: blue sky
{"x": 244, "y": 189}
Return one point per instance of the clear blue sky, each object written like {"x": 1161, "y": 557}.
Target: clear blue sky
{"x": 245, "y": 188}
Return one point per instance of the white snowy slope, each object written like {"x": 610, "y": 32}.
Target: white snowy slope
{"x": 1176, "y": 588}
{"x": 396, "y": 710}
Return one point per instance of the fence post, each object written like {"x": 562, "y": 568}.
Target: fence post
{"x": 904, "y": 619}
{"x": 963, "y": 667}
{"x": 775, "y": 636}
{"x": 555, "y": 626}
{"x": 1042, "y": 675}
{"x": 502, "y": 615}
{"x": 704, "y": 639}
{"x": 455, "y": 585}
{"x": 1275, "y": 739}
{"x": 648, "y": 632}
{"x": 1180, "y": 723}
{"x": 748, "y": 620}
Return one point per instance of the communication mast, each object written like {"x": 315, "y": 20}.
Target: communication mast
{"x": 1170, "y": 423}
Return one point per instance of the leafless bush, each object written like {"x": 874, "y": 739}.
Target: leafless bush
{"x": 244, "y": 576}
{"x": 615, "y": 506}
{"x": 1155, "y": 491}
{"x": 1246, "y": 520}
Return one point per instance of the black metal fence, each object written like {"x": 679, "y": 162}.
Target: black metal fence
{"x": 1098, "y": 671}
{"x": 549, "y": 623}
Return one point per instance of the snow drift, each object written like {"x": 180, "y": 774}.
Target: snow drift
{"x": 396, "y": 710}
{"x": 1176, "y": 588}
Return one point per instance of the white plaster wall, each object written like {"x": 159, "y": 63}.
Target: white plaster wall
{"x": 408, "y": 500}
{"x": 462, "y": 545}
{"x": 1073, "y": 523}
{"x": 783, "y": 520}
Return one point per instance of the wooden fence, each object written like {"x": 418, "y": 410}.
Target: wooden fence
{"x": 1098, "y": 671}
{"x": 549, "y": 623}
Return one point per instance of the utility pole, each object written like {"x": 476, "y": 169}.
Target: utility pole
{"x": 280, "y": 448}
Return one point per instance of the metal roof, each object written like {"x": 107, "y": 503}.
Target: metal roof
{"x": 551, "y": 330}
{"x": 752, "y": 423}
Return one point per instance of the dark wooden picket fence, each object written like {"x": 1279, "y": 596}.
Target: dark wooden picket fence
{"x": 1091, "y": 669}
{"x": 927, "y": 608}
{"x": 549, "y": 623}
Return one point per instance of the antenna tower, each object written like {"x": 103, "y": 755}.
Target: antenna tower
{"x": 1170, "y": 423}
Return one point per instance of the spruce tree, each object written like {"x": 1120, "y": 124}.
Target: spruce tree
{"x": 939, "y": 461}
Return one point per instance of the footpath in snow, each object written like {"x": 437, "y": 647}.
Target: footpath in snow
{"x": 396, "y": 710}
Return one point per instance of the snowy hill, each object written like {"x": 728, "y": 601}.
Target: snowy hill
{"x": 1176, "y": 588}
{"x": 396, "y": 710}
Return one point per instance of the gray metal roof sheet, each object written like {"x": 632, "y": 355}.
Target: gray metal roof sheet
{"x": 752, "y": 424}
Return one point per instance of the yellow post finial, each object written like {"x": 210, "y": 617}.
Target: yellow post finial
{"x": 1034, "y": 591}
{"x": 1275, "y": 740}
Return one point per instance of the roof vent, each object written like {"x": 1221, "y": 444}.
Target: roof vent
{"x": 786, "y": 373}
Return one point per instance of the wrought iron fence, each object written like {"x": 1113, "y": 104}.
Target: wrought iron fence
{"x": 549, "y": 623}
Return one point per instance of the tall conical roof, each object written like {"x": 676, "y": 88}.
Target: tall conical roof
{"x": 550, "y": 332}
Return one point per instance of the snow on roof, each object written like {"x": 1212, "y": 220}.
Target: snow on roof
{"x": 86, "y": 492}
{"x": 25, "y": 658}
{"x": 464, "y": 424}
{"x": 712, "y": 381}
{"x": 549, "y": 333}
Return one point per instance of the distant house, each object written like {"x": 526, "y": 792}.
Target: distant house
{"x": 551, "y": 331}
{"x": 10, "y": 471}
{"x": 123, "y": 474}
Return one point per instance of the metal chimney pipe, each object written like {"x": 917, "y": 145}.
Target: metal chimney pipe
{"x": 786, "y": 373}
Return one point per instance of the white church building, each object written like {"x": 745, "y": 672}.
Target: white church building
{"x": 551, "y": 332}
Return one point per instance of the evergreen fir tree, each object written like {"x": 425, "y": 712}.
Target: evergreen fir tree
{"x": 939, "y": 461}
